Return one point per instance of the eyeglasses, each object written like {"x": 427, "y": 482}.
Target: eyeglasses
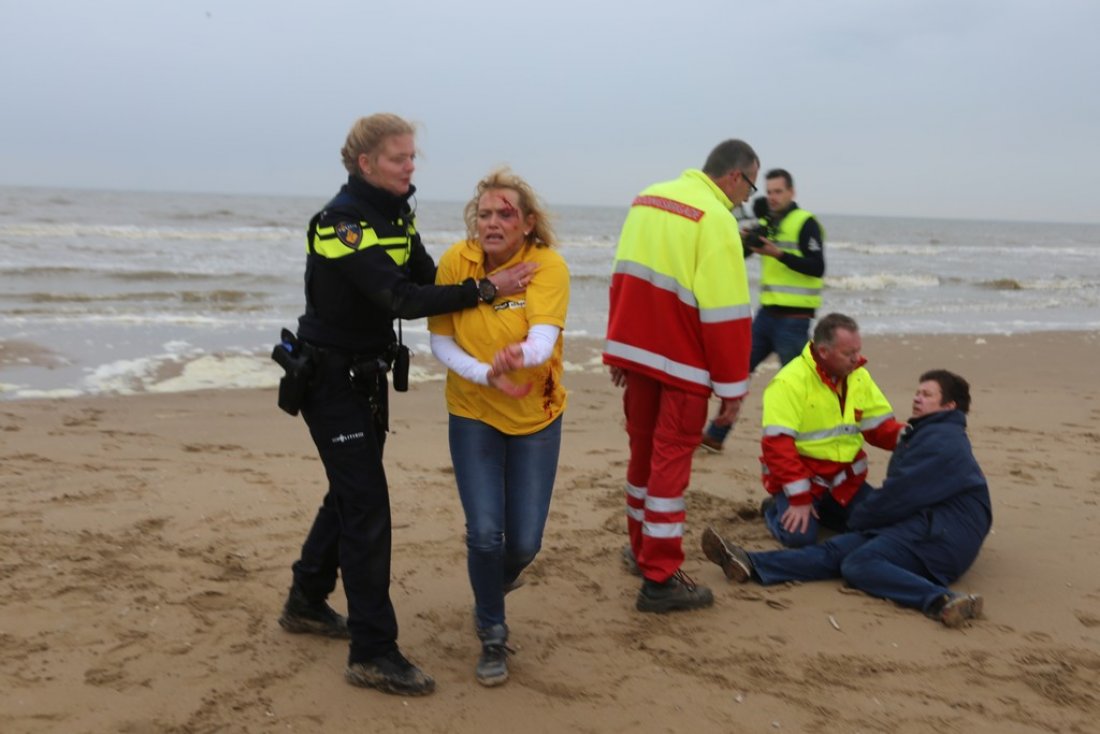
{"x": 752, "y": 186}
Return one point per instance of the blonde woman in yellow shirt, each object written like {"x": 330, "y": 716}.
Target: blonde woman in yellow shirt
{"x": 504, "y": 395}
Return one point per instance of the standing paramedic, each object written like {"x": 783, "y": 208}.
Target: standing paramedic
{"x": 792, "y": 265}
{"x": 678, "y": 329}
{"x": 365, "y": 267}
{"x": 818, "y": 410}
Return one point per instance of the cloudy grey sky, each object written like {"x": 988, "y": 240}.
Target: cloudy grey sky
{"x": 981, "y": 109}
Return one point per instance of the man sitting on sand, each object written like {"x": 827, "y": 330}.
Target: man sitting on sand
{"x": 909, "y": 539}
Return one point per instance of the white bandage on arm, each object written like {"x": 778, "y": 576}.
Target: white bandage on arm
{"x": 455, "y": 358}
{"x": 539, "y": 344}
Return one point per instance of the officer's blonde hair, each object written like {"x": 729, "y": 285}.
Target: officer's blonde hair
{"x": 368, "y": 134}
{"x": 542, "y": 233}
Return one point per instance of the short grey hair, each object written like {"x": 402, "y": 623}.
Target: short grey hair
{"x": 730, "y": 155}
{"x": 825, "y": 331}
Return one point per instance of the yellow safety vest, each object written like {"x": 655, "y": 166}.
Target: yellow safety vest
{"x": 798, "y": 403}
{"x": 781, "y": 286}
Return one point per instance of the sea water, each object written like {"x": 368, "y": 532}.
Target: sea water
{"x": 122, "y": 292}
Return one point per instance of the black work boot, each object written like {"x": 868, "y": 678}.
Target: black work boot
{"x": 492, "y": 666}
{"x": 302, "y": 616}
{"x": 679, "y": 593}
{"x": 390, "y": 673}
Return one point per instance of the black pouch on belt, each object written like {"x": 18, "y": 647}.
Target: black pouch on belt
{"x": 401, "y": 368}
{"x": 297, "y": 360}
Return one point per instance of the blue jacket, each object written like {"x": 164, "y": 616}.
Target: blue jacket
{"x": 934, "y": 499}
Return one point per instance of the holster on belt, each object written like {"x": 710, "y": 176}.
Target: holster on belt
{"x": 299, "y": 362}
{"x": 368, "y": 378}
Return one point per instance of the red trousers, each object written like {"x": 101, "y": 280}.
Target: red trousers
{"x": 665, "y": 425}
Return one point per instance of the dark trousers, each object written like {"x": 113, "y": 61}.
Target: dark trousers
{"x": 352, "y": 530}
{"x": 880, "y": 565}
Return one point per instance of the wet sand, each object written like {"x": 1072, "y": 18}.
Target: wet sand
{"x": 146, "y": 544}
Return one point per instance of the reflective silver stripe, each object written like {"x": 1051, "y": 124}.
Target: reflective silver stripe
{"x": 802, "y": 486}
{"x": 657, "y": 280}
{"x": 637, "y": 493}
{"x": 663, "y": 529}
{"x": 790, "y": 289}
{"x": 725, "y": 313}
{"x": 846, "y": 430}
{"x": 779, "y": 431}
{"x": 665, "y": 504}
{"x": 658, "y": 362}
{"x": 843, "y": 475}
{"x": 868, "y": 423}
{"x": 635, "y": 514}
{"x": 731, "y": 389}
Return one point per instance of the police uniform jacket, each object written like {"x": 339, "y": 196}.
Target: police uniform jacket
{"x": 366, "y": 266}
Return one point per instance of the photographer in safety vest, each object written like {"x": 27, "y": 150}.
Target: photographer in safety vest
{"x": 791, "y": 245}
{"x": 817, "y": 412}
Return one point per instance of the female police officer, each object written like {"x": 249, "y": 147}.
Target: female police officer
{"x": 365, "y": 266}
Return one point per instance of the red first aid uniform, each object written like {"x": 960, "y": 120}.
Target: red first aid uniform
{"x": 679, "y": 326}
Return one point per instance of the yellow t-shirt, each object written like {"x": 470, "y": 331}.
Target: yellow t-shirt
{"x": 485, "y": 330}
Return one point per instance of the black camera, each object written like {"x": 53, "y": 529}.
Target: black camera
{"x": 751, "y": 236}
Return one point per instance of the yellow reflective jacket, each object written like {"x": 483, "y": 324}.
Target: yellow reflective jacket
{"x": 781, "y": 286}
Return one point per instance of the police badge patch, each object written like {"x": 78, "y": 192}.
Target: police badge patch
{"x": 350, "y": 233}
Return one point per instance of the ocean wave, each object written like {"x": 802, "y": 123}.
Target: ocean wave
{"x": 1039, "y": 284}
{"x": 56, "y": 231}
{"x": 880, "y": 282}
{"x": 892, "y": 249}
{"x": 190, "y": 297}
{"x": 115, "y": 272}
{"x": 218, "y": 319}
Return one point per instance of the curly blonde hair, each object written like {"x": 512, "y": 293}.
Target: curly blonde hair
{"x": 542, "y": 233}
{"x": 368, "y": 134}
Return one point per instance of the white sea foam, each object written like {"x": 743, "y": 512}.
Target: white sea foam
{"x": 880, "y": 281}
{"x": 220, "y": 371}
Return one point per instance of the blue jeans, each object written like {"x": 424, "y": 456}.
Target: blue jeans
{"x": 830, "y": 515}
{"x": 877, "y": 564}
{"x": 505, "y": 483}
{"x": 770, "y": 333}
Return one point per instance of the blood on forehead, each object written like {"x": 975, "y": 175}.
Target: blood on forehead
{"x": 506, "y": 207}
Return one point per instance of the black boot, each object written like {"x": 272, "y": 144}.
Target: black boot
{"x": 678, "y": 593}
{"x": 302, "y": 616}
{"x": 390, "y": 673}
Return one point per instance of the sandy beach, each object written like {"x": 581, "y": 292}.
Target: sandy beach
{"x": 146, "y": 544}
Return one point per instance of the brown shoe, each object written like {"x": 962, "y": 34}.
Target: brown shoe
{"x": 733, "y": 559}
{"x": 959, "y": 609}
{"x": 709, "y": 445}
